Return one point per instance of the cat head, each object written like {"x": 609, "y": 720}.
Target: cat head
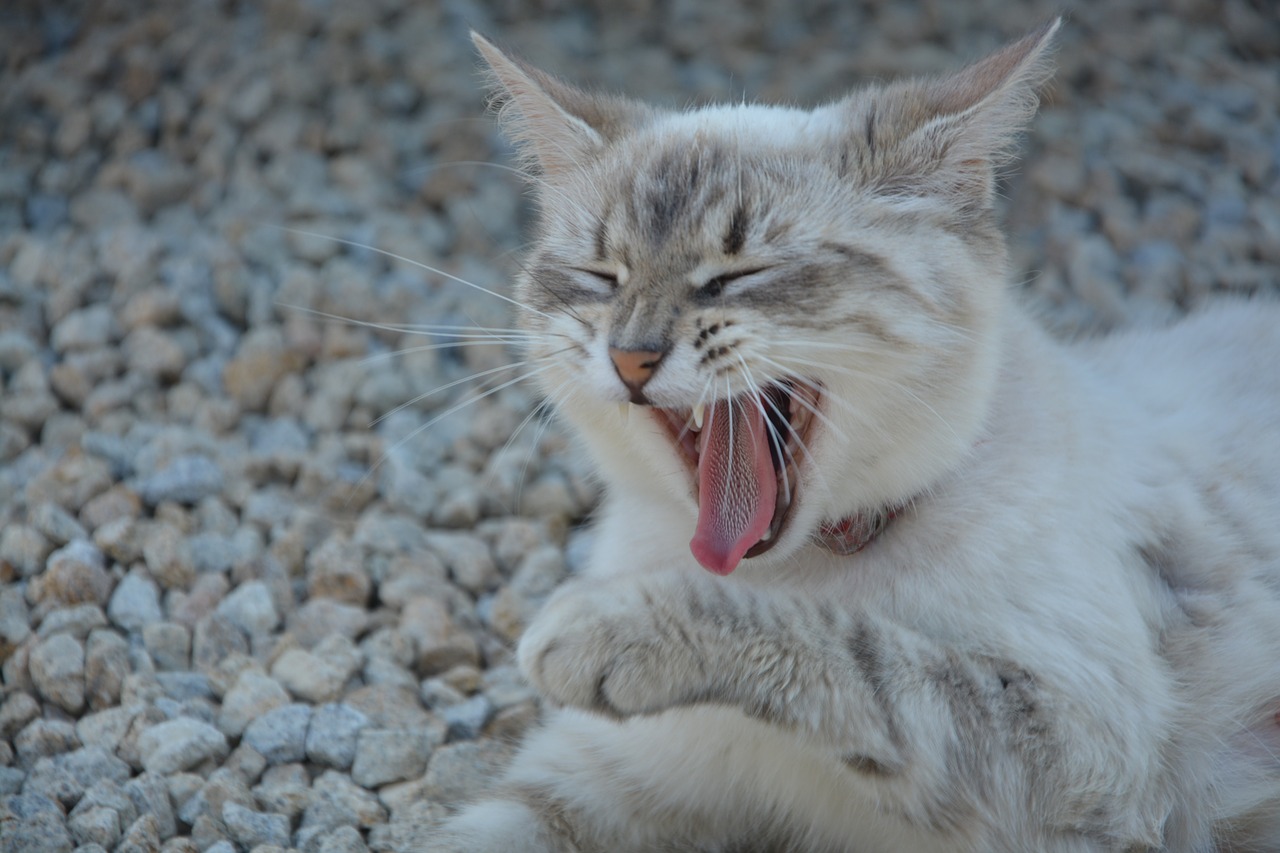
{"x": 766, "y": 318}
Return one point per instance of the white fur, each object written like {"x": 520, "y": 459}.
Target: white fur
{"x": 1105, "y": 515}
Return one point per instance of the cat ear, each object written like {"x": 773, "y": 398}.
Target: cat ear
{"x": 554, "y": 124}
{"x": 947, "y": 136}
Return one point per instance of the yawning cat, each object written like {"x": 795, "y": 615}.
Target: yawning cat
{"x": 969, "y": 588}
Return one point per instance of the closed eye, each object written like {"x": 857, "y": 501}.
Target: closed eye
{"x": 600, "y": 277}
{"x": 715, "y": 286}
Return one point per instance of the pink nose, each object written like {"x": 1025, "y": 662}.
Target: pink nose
{"x": 635, "y": 367}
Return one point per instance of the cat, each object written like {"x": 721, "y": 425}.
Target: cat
{"x": 881, "y": 565}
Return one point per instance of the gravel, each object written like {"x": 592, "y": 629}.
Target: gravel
{"x": 257, "y": 593}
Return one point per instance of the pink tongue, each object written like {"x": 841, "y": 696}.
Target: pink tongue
{"x": 737, "y": 487}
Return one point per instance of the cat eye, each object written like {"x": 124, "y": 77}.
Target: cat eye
{"x": 716, "y": 285}
{"x": 610, "y": 279}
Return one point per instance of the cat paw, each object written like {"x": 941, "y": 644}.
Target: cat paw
{"x": 619, "y": 648}
{"x": 492, "y": 826}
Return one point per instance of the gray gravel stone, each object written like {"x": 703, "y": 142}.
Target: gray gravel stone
{"x": 252, "y": 828}
{"x": 186, "y": 479}
{"x": 142, "y": 836}
{"x": 106, "y": 665}
{"x": 467, "y": 719}
{"x": 24, "y": 548}
{"x": 58, "y": 525}
{"x": 149, "y": 794}
{"x": 214, "y": 640}
{"x": 250, "y": 608}
{"x": 71, "y": 774}
{"x": 77, "y": 621}
{"x": 135, "y": 602}
{"x": 18, "y": 710}
{"x": 253, "y": 695}
{"x": 74, "y": 574}
{"x": 167, "y": 553}
{"x": 319, "y": 675}
{"x": 390, "y": 755}
{"x": 106, "y": 728}
{"x": 57, "y": 669}
{"x": 223, "y": 787}
{"x": 97, "y": 825}
{"x": 331, "y": 739}
{"x": 43, "y": 832}
{"x": 168, "y": 644}
{"x": 285, "y": 789}
{"x": 11, "y": 779}
{"x": 180, "y": 744}
{"x": 337, "y": 801}
{"x": 344, "y": 839}
{"x": 280, "y": 734}
{"x": 86, "y": 328}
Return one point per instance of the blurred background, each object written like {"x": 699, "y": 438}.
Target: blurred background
{"x": 257, "y": 589}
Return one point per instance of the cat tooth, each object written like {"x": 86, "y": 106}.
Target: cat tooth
{"x": 768, "y": 534}
{"x": 624, "y": 412}
{"x": 698, "y": 412}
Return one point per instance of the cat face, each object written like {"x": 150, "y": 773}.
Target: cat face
{"x": 768, "y": 318}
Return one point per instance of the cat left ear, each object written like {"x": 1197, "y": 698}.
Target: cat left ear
{"x": 556, "y": 125}
{"x": 946, "y": 137}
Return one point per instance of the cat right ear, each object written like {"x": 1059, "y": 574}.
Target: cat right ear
{"x": 556, "y": 126}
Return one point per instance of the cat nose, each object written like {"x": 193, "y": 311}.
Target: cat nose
{"x": 635, "y": 367}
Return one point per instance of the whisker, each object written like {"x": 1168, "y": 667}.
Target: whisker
{"x": 416, "y": 431}
{"x": 772, "y": 430}
{"x": 470, "y": 378}
{"x": 807, "y": 383}
{"x": 413, "y": 329}
{"x": 434, "y": 270}
{"x": 390, "y": 354}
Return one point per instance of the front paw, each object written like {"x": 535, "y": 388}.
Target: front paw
{"x": 618, "y": 647}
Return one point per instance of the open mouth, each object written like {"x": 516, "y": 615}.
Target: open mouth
{"x": 744, "y": 455}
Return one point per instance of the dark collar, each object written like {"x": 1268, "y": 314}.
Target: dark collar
{"x": 851, "y": 534}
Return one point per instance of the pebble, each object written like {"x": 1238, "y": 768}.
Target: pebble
{"x": 168, "y": 644}
{"x": 337, "y": 801}
{"x": 106, "y": 664}
{"x": 390, "y": 755}
{"x": 73, "y": 574}
{"x": 179, "y": 745}
{"x": 465, "y": 720}
{"x": 135, "y": 602}
{"x": 223, "y": 787}
{"x": 57, "y": 670}
{"x": 253, "y": 695}
{"x": 252, "y": 828}
{"x": 58, "y": 525}
{"x": 187, "y": 479}
{"x": 86, "y": 328}
{"x": 280, "y": 734}
{"x": 331, "y": 738}
{"x": 318, "y": 676}
{"x": 106, "y": 728}
{"x": 72, "y": 773}
{"x": 285, "y": 789}
{"x": 77, "y": 621}
{"x": 439, "y": 643}
{"x": 335, "y": 570}
{"x": 250, "y": 608}
{"x": 43, "y": 738}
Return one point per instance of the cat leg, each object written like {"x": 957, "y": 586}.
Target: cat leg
{"x": 948, "y": 738}
{"x": 682, "y": 781}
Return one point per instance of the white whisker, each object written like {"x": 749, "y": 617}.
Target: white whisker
{"x": 419, "y": 264}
